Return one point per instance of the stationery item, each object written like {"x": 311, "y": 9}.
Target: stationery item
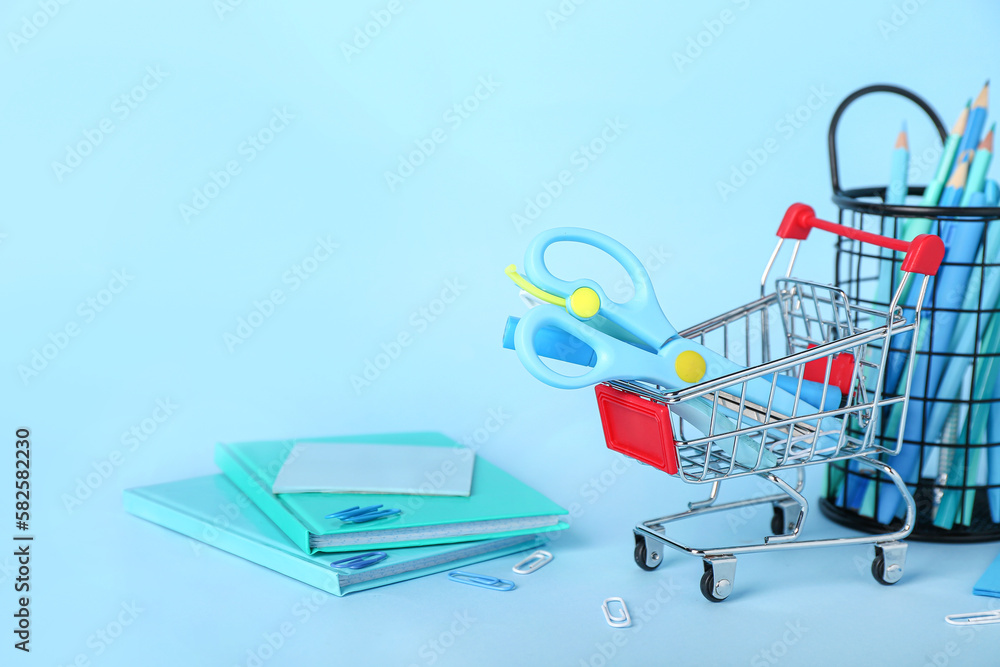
{"x": 350, "y": 467}
{"x": 912, "y": 227}
{"x": 975, "y": 618}
{"x": 678, "y": 363}
{"x": 619, "y": 618}
{"x": 598, "y": 321}
{"x": 950, "y": 149}
{"x": 977, "y": 120}
{"x": 362, "y": 514}
{"x": 533, "y": 562}
{"x": 908, "y": 458}
{"x": 976, "y": 181}
{"x": 993, "y": 456}
{"x": 987, "y": 373}
{"x": 989, "y": 584}
{"x": 482, "y": 580}
{"x": 963, "y": 342}
{"x": 557, "y": 344}
{"x": 499, "y": 506}
{"x": 361, "y": 561}
{"x": 212, "y": 511}
{"x": 894, "y": 194}
{"x": 930, "y": 460}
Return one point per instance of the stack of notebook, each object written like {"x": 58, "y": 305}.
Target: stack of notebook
{"x": 277, "y": 498}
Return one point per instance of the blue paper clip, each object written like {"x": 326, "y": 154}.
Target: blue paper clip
{"x": 361, "y": 560}
{"x": 361, "y": 514}
{"x": 482, "y": 580}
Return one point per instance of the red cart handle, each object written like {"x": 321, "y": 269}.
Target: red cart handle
{"x": 923, "y": 254}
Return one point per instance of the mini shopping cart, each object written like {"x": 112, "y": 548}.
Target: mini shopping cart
{"x": 833, "y": 352}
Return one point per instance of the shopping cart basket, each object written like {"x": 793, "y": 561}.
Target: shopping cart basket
{"x": 710, "y": 432}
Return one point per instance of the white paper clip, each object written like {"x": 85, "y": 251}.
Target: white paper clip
{"x": 975, "y": 618}
{"x": 533, "y": 562}
{"x": 617, "y": 621}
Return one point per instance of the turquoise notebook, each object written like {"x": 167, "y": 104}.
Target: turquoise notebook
{"x": 193, "y": 507}
{"x": 499, "y": 505}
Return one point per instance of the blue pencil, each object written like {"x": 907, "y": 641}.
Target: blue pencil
{"x": 974, "y": 128}
{"x": 908, "y": 459}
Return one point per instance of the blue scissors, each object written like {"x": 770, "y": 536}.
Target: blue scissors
{"x": 582, "y": 309}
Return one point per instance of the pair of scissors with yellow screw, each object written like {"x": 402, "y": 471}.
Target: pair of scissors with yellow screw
{"x": 618, "y": 332}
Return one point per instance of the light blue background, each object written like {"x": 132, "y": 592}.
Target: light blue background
{"x": 654, "y": 188}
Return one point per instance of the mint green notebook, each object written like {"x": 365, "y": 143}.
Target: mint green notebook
{"x": 499, "y": 505}
{"x": 193, "y": 507}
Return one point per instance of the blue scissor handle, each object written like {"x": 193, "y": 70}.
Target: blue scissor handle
{"x": 641, "y": 314}
{"x": 615, "y": 360}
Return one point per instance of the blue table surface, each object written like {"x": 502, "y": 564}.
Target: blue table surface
{"x": 231, "y": 221}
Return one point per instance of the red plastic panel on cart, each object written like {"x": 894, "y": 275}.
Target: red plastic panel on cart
{"x": 637, "y": 428}
{"x": 841, "y": 370}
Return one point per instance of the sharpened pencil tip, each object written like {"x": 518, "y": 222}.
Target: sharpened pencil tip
{"x": 987, "y": 142}
{"x": 982, "y": 100}
{"x": 901, "y": 139}
{"x": 958, "y": 129}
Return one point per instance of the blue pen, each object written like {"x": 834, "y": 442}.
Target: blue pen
{"x": 906, "y": 462}
{"x": 557, "y": 344}
{"x": 963, "y": 341}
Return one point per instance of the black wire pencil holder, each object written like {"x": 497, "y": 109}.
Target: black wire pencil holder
{"x": 857, "y": 273}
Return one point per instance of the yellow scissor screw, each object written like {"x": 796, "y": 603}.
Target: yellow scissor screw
{"x": 584, "y": 302}
{"x": 690, "y": 366}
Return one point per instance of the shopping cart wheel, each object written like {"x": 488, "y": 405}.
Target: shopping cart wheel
{"x": 887, "y": 567}
{"x": 786, "y": 513}
{"x": 717, "y": 582}
{"x": 778, "y": 522}
{"x": 647, "y": 564}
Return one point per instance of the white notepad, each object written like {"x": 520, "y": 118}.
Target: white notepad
{"x": 329, "y": 467}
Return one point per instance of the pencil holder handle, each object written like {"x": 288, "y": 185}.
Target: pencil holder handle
{"x": 861, "y": 92}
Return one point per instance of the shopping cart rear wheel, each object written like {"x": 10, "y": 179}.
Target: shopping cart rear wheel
{"x": 895, "y": 554}
{"x": 640, "y": 555}
{"x": 878, "y": 571}
{"x": 720, "y": 574}
{"x": 707, "y": 584}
